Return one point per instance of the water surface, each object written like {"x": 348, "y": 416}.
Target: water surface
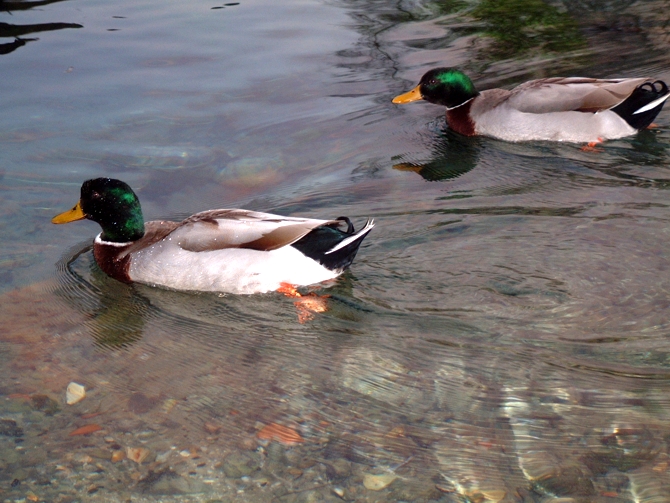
{"x": 501, "y": 336}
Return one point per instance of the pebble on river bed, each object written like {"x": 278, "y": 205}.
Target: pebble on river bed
{"x": 137, "y": 454}
{"x": 378, "y": 482}
{"x": 118, "y": 456}
{"x": 74, "y": 393}
{"x": 494, "y": 495}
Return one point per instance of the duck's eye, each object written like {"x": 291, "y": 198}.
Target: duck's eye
{"x": 432, "y": 82}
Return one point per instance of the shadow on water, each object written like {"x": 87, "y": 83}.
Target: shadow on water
{"x": 18, "y": 32}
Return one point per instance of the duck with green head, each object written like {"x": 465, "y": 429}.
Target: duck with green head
{"x": 572, "y": 109}
{"x": 225, "y": 250}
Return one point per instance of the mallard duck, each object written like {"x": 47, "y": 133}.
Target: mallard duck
{"x": 570, "y": 109}
{"x": 226, "y": 250}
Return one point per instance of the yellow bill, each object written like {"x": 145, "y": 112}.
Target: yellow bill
{"x": 408, "y": 97}
{"x": 75, "y": 213}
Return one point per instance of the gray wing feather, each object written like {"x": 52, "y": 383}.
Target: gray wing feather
{"x": 571, "y": 94}
{"x": 220, "y": 229}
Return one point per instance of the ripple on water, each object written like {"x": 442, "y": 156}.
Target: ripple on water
{"x": 502, "y": 335}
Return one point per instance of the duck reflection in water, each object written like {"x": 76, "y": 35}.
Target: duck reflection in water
{"x": 452, "y": 155}
{"x": 115, "y": 312}
{"x": 12, "y": 6}
{"x": 17, "y": 32}
{"x": 12, "y": 46}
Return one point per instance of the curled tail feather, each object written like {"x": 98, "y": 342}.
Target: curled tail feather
{"x": 331, "y": 247}
{"x": 644, "y": 104}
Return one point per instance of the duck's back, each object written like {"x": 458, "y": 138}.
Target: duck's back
{"x": 565, "y": 94}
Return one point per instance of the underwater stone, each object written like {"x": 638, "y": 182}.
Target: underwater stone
{"x": 378, "y": 482}
{"x": 241, "y": 464}
{"x": 74, "y": 393}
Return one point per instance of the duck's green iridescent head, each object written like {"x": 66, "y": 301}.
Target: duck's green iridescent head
{"x": 112, "y": 204}
{"x": 443, "y": 86}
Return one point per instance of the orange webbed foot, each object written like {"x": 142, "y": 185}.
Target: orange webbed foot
{"x": 653, "y": 125}
{"x": 591, "y": 146}
{"x": 289, "y": 290}
{"x": 310, "y": 304}
{"x": 306, "y": 305}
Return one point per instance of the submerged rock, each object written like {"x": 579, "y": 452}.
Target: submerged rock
{"x": 241, "y": 464}
{"x": 378, "y": 482}
{"x": 9, "y": 428}
{"x": 276, "y": 461}
{"x": 74, "y": 393}
{"x": 138, "y": 454}
{"x": 44, "y": 403}
{"x": 139, "y": 403}
{"x": 170, "y": 482}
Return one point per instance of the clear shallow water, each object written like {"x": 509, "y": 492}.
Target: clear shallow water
{"x": 502, "y": 335}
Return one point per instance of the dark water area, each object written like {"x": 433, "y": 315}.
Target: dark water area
{"x": 501, "y": 337}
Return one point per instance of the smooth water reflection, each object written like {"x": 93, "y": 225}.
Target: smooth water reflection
{"x": 501, "y": 337}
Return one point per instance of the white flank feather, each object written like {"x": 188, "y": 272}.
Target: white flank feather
{"x": 232, "y": 270}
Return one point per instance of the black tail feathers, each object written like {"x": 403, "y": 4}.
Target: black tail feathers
{"x": 331, "y": 247}
{"x": 644, "y": 104}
